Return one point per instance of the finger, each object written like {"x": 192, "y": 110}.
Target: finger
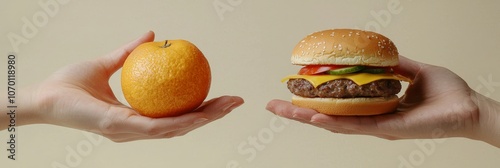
{"x": 210, "y": 111}
{"x": 280, "y": 107}
{"x": 345, "y": 129}
{"x": 408, "y": 67}
{"x": 114, "y": 61}
{"x": 127, "y": 137}
{"x": 288, "y": 110}
{"x": 220, "y": 106}
{"x": 355, "y": 123}
{"x": 227, "y": 104}
{"x": 386, "y": 125}
{"x": 160, "y": 126}
{"x": 213, "y": 109}
{"x": 368, "y": 125}
{"x": 124, "y": 120}
{"x": 155, "y": 126}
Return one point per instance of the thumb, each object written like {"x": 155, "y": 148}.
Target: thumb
{"x": 114, "y": 60}
{"x": 408, "y": 67}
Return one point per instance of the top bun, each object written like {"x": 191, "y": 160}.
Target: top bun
{"x": 345, "y": 47}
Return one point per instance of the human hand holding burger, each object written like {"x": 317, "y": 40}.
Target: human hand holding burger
{"x": 437, "y": 104}
{"x": 346, "y": 72}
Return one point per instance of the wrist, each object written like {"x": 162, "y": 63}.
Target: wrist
{"x": 488, "y": 126}
{"x": 26, "y": 112}
{"x": 19, "y": 110}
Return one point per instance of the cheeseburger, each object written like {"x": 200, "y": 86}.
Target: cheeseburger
{"x": 346, "y": 72}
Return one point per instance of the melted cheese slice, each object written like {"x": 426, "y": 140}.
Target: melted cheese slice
{"x": 358, "y": 78}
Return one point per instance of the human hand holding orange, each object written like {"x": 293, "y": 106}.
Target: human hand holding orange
{"x": 79, "y": 96}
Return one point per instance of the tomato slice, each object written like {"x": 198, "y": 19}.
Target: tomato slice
{"x": 400, "y": 71}
{"x": 317, "y": 69}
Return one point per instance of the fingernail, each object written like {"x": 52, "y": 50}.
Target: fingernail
{"x": 315, "y": 121}
{"x": 296, "y": 116}
{"x": 200, "y": 120}
{"x": 228, "y": 107}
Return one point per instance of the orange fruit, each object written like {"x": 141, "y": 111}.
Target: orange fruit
{"x": 165, "y": 78}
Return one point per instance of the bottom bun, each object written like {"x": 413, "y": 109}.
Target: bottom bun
{"x": 349, "y": 106}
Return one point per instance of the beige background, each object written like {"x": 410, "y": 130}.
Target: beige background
{"x": 248, "y": 47}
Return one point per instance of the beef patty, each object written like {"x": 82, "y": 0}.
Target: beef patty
{"x": 344, "y": 88}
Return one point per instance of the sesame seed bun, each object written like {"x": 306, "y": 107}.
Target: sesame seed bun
{"x": 345, "y": 47}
